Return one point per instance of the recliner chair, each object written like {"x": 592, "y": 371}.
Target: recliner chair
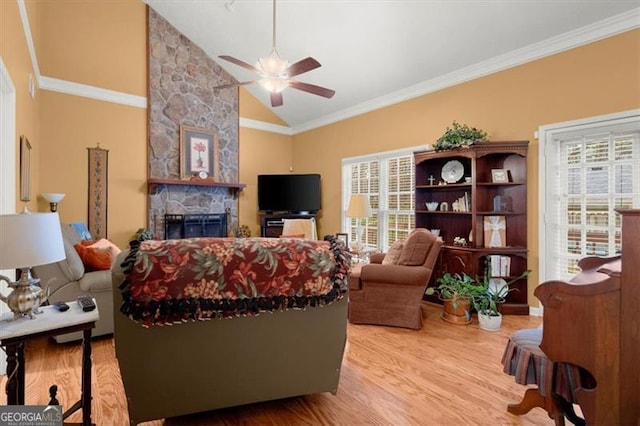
{"x": 389, "y": 292}
{"x": 68, "y": 279}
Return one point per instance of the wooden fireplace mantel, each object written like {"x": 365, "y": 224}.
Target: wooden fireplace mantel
{"x": 204, "y": 182}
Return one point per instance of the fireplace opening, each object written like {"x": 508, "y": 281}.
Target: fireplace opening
{"x": 195, "y": 225}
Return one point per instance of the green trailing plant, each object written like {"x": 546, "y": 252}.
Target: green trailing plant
{"x": 487, "y": 300}
{"x": 143, "y": 234}
{"x": 459, "y": 135}
{"x": 456, "y": 287}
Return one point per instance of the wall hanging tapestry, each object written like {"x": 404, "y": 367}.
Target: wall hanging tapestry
{"x": 98, "y": 173}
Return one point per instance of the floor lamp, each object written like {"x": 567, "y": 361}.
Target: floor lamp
{"x": 359, "y": 208}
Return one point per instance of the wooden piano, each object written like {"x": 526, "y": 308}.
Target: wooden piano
{"x": 593, "y": 321}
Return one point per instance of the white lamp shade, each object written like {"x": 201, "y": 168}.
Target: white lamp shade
{"x": 53, "y": 197}
{"x": 359, "y": 206}
{"x": 30, "y": 239}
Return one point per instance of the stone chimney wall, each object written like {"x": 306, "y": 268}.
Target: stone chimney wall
{"x": 181, "y": 81}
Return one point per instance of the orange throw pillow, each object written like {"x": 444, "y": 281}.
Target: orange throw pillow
{"x": 94, "y": 259}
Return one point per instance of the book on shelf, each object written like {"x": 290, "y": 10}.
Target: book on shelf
{"x": 499, "y": 266}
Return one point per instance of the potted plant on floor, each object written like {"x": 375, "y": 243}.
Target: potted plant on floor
{"x": 457, "y": 291}
{"x": 486, "y": 302}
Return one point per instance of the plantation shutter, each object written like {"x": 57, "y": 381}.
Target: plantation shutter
{"x": 592, "y": 173}
{"x": 388, "y": 179}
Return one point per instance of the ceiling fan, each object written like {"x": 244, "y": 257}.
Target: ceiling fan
{"x": 275, "y": 73}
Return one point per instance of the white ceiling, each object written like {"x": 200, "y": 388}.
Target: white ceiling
{"x": 375, "y": 53}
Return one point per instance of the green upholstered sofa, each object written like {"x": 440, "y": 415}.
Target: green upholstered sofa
{"x": 234, "y": 358}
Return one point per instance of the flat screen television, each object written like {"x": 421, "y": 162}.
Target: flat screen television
{"x": 289, "y": 193}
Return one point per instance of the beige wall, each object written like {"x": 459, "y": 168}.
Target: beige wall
{"x": 595, "y": 79}
{"x": 71, "y": 125}
{"x": 105, "y": 48}
{"x": 260, "y": 153}
{"x": 15, "y": 55}
{"x": 252, "y": 108}
{"x": 99, "y": 43}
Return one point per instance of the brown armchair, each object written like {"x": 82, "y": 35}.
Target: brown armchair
{"x": 389, "y": 290}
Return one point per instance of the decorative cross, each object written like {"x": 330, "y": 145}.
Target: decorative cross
{"x": 431, "y": 179}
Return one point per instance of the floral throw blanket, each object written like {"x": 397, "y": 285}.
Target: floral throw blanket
{"x": 172, "y": 281}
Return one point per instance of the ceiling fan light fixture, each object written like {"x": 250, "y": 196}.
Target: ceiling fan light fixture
{"x": 273, "y": 65}
{"x": 276, "y": 73}
{"x": 273, "y": 84}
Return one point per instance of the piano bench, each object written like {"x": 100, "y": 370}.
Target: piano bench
{"x": 524, "y": 360}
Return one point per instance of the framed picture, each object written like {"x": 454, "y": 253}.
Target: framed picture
{"x": 499, "y": 175}
{"x": 344, "y": 238}
{"x": 198, "y": 153}
{"x": 25, "y": 169}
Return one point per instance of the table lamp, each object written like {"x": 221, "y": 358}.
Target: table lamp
{"x": 26, "y": 240}
{"x": 53, "y": 200}
{"x": 359, "y": 208}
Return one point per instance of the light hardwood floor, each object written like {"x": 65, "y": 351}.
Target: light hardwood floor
{"x": 443, "y": 374}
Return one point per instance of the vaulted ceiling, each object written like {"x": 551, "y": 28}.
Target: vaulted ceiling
{"x": 376, "y": 53}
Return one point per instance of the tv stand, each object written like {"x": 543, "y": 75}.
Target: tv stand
{"x": 271, "y": 223}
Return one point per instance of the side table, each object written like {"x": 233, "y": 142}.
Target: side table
{"x": 14, "y": 335}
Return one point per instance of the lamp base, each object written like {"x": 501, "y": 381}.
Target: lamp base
{"x": 26, "y": 297}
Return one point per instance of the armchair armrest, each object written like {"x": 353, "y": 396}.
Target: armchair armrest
{"x": 376, "y": 257}
{"x": 395, "y": 274}
{"x": 53, "y": 275}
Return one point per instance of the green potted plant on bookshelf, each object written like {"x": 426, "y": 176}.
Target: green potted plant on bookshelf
{"x": 459, "y": 135}
{"x": 488, "y": 299}
{"x": 457, "y": 291}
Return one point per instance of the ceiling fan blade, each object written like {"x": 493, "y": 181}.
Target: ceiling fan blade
{"x": 302, "y": 66}
{"x": 276, "y": 99}
{"x": 311, "y": 88}
{"x": 239, "y": 63}
{"x": 240, "y": 83}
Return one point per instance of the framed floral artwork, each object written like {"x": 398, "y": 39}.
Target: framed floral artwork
{"x": 198, "y": 153}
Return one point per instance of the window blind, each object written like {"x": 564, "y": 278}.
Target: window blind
{"x": 388, "y": 178}
{"x": 591, "y": 173}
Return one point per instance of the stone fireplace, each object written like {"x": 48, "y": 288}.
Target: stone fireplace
{"x": 181, "y": 81}
{"x": 195, "y": 225}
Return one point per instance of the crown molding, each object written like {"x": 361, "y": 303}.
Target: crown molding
{"x": 27, "y": 33}
{"x": 77, "y": 89}
{"x": 609, "y": 27}
{"x": 264, "y": 126}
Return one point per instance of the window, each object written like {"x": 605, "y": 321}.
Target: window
{"x": 591, "y": 169}
{"x": 388, "y": 179}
